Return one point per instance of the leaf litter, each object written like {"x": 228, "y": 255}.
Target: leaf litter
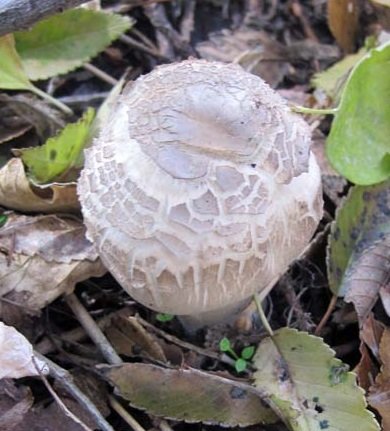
{"x": 43, "y": 257}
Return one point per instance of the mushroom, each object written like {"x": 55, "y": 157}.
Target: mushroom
{"x": 200, "y": 190}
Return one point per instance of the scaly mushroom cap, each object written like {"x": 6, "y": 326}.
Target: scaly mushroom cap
{"x": 201, "y": 189}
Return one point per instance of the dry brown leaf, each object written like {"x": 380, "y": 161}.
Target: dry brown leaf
{"x": 189, "y": 395}
{"x": 253, "y": 50}
{"x": 43, "y": 257}
{"x": 16, "y": 355}
{"x": 343, "y": 21}
{"x": 15, "y": 402}
{"x": 46, "y": 120}
{"x": 130, "y": 338}
{"x": 365, "y": 369}
{"x": 333, "y": 184}
{"x": 367, "y": 275}
{"x": 17, "y": 193}
{"x": 371, "y": 334}
{"x": 379, "y": 396}
{"x": 384, "y": 294}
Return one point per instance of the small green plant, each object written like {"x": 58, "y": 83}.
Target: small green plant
{"x": 3, "y": 219}
{"x": 163, "y": 317}
{"x": 241, "y": 361}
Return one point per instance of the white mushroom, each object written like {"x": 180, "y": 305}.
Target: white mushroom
{"x": 201, "y": 189}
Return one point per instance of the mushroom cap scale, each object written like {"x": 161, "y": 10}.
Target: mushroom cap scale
{"x": 201, "y": 189}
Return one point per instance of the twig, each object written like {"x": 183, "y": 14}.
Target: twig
{"x": 84, "y": 99}
{"x": 47, "y": 346}
{"x": 51, "y": 99}
{"x": 93, "y": 330}
{"x": 221, "y": 357}
{"x": 263, "y": 318}
{"x": 124, "y": 414}
{"x": 144, "y": 38}
{"x": 187, "y": 22}
{"x": 65, "y": 379}
{"x": 138, "y": 45}
{"x": 21, "y": 14}
{"x": 100, "y": 74}
{"x": 164, "y": 425}
{"x": 325, "y": 318}
{"x": 58, "y": 399}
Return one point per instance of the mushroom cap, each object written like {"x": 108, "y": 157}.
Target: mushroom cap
{"x": 201, "y": 189}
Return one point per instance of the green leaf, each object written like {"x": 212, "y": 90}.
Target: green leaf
{"x": 65, "y": 41}
{"x": 224, "y": 345}
{"x": 358, "y": 145}
{"x": 240, "y": 365}
{"x": 60, "y": 153}
{"x": 248, "y": 352}
{"x": 332, "y": 80}
{"x": 163, "y": 317}
{"x": 12, "y": 75}
{"x": 361, "y": 227}
{"x": 309, "y": 387}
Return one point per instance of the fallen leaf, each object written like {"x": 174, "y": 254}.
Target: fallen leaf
{"x": 358, "y": 143}
{"x": 333, "y": 79}
{"x": 65, "y": 41}
{"x": 384, "y": 294}
{"x": 60, "y": 156}
{"x": 130, "y": 338}
{"x": 15, "y": 403}
{"x": 343, "y": 21}
{"x": 189, "y": 395}
{"x": 43, "y": 257}
{"x": 46, "y": 120}
{"x": 311, "y": 388}
{"x": 358, "y": 254}
{"x": 365, "y": 369}
{"x": 333, "y": 184}
{"x": 254, "y": 50}
{"x": 16, "y": 355}
{"x": 371, "y": 333}
{"x": 16, "y": 192}
{"x": 379, "y": 396}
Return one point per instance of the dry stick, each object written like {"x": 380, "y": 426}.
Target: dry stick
{"x": 124, "y": 414}
{"x": 65, "y": 379}
{"x": 263, "y": 317}
{"x": 47, "y": 346}
{"x": 58, "y": 399}
{"x": 100, "y": 74}
{"x": 174, "y": 340}
{"x": 144, "y": 38}
{"x": 20, "y": 14}
{"x": 325, "y": 318}
{"x": 97, "y": 336}
{"x": 138, "y": 45}
{"x": 93, "y": 330}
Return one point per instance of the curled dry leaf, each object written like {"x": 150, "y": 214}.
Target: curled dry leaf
{"x": 16, "y": 192}
{"x": 44, "y": 257}
{"x": 359, "y": 247}
{"x": 343, "y": 20}
{"x": 189, "y": 395}
{"x": 16, "y": 355}
{"x": 379, "y": 397}
{"x": 130, "y": 338}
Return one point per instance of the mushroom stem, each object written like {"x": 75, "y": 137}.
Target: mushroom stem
{"x": 192, "y": 323}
